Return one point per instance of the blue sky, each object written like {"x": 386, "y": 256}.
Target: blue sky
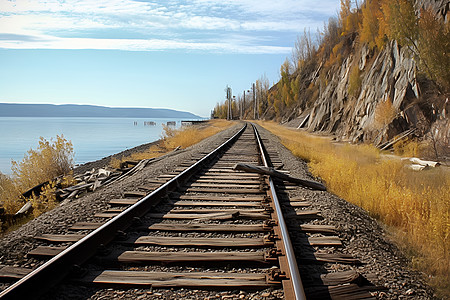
{"x": 138, "y": 53}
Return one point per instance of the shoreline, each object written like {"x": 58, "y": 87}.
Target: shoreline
{"x": 103, "y": 162}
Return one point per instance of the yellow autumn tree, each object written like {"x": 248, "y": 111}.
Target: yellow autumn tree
{"x": 220, "y": 111}
{"x": 372, "y": 29}
{"x": 348, "y": 18}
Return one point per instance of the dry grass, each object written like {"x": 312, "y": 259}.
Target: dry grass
{"x": 173, "y": 138}
{"x": 415, "y": 204}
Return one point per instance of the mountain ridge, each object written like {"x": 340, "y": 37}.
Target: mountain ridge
{"x": 82, "y": 110}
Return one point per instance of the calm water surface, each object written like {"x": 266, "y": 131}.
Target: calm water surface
{"x": 92, "y": 138}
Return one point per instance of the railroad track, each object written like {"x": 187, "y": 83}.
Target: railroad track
{"x": 209, "y": 226}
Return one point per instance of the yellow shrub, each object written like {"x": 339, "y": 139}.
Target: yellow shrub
{"x": 49, "y": 160}
{"x": 337, "y": 49}
{"x": 188, "y": 136}
{"x": 407, "y": 148}
{"x": 354, "y": 81}
{"x": 45, "y": 201}
{"x": 9, "y": 194}
{"x": 384, "y": 113}
{"x": 115, "y": 162}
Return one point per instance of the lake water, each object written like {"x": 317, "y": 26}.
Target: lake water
{"x": 92, "y": 138}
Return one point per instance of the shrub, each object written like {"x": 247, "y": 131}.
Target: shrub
{"x": 407, "y": 148}
{"x": 51, "y": 159}
{"x": 384, "y": 113}
{"x": 354, "y": 81}
{"x": 9, "y": 194}
{"x": 183, "y": 137}
{"x": 45, "y": 201}
{"x": 188, "y": 136}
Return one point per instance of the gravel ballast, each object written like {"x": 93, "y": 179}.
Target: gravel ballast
{"x": 383, "y": 263}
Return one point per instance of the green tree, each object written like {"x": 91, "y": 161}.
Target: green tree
{"x": 284, "y": 85}
{"x": 434, "y": 47}
{"x": 401, "y": 21}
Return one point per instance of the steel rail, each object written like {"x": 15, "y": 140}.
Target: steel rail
{"x": 40, "y": 280}
{"x": 290, "y": 255}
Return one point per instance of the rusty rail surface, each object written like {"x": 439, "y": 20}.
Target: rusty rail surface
{"x": 293, "y": 288}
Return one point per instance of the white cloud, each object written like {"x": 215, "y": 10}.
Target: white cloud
{"x": 278, "y": 8}
{"x": 54, "y": 21}
{"x": 211, "y": 23}
{"x": 139, "y": 45}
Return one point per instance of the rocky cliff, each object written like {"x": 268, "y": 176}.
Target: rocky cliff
{"x": 391, "y": 75}
{"x": 419, "y": 107}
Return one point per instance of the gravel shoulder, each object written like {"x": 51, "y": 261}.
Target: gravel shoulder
{"x": 363, "y": 237}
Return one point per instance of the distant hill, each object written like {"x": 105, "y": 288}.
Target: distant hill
{"x": 73, "y": 110}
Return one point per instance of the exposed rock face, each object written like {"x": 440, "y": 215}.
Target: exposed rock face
{"x": 391, "y": 75}
{"x": 440, "y": 7}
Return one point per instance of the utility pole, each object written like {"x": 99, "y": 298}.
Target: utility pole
{"x": 231, "y": 106}
{"x": 229, "y": 112}
{"x": 254, "y": 101}
{"x": 243, "y": 107}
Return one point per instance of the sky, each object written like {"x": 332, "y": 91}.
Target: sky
{"x": 146, "y": 53}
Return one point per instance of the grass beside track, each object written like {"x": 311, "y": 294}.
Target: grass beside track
{"x": 416, "y": 205}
